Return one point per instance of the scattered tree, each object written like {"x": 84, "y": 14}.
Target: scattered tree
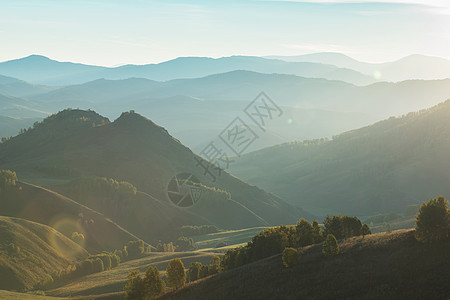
{"x": 433, "y": 221}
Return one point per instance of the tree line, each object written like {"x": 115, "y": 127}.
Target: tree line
{"x": 274, "y": 240}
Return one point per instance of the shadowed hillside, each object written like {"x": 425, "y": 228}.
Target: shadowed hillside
{"x": 387, "y": 265}
{"x": 375, "y": 169}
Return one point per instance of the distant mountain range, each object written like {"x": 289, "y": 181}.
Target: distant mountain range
{"x": 375, "y": 169}
{"x": 42, "y": 70}
{"x": 312, "y": 108}
{"x": 410, "y": 67}
{"x": 333, "y": 66}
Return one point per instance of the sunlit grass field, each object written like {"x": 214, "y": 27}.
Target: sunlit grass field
{"x": 114, "y": 280}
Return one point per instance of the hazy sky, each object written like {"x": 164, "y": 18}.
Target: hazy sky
{"x": 115, "y": 32}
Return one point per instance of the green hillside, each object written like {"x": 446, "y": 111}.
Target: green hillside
{"x": 29, "y": 251}
{"x": 77, "y": 143}
{"x": 387, "y": 265}
{"x": 375, "y": 169}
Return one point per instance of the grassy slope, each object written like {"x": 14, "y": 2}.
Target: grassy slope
{"x": 387, "y": 265}
{"x": 7, "y": 295}
{"x": 47, "y": 207}
{"x": 232, "y": 238}
{"x": 113, "y": 281}
{"x": 375, "y": 169}
{"x": 43, "y": 250}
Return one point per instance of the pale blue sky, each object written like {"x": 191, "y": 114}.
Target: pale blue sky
{"x": 115, "y": 32}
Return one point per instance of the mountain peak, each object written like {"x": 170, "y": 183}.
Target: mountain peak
{"x": 76, "y": 117}
{"x": 36, "y": 57}
{"x": 133, "y": 120}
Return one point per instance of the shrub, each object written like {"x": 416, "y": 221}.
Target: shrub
{"x": 433, "y": 221}
{"x": 13, "y": 249}
{"x": 46, "y": 283}
{"x": 135, "y": 248}
{"x": 290, "y": 257}
{"x": 77, "y": 238}
{"x": 198, "y": 230}
{"x": 330, "y": 246}
{"x": 220, "y": 245}
{"x": 115, "y": 260}
{"x": 185, "y": 244}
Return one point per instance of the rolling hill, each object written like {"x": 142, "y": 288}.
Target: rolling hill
{"x": 18, "y": 88}
{"x": 379, "y": 168}
{"x": 387, "y": 265}
{"x": 77, "y": 143}
{"x": 42, "y": 251}
{"x": 46, "y": 207}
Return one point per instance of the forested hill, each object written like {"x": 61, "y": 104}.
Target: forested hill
{"x": 379, "y": 168}
{"x": 76, "y": 143}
